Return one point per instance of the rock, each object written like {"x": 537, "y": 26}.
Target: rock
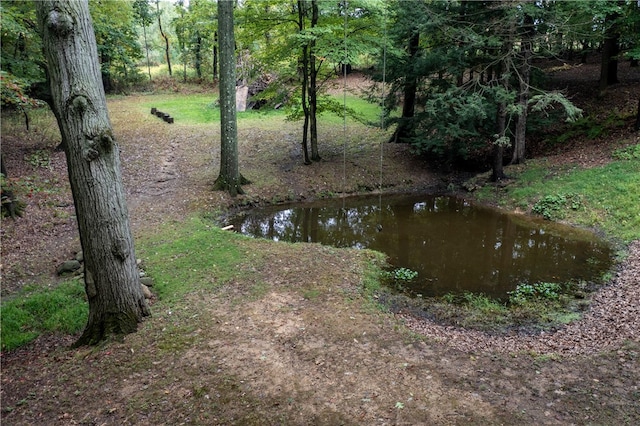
{"x": 146, "y": 291}
{"x": 68, "y": 266}
{"x": 147, "y": 281}
{"x": 80, "y": 256}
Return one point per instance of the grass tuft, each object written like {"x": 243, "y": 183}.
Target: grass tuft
{"x": 191, "y": 255}
{"x": 35, "y": 311}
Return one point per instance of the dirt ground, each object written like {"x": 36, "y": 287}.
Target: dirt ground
{"x": 295, "y": 341}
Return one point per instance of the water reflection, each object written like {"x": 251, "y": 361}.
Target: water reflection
{"x": 454, "y": 245}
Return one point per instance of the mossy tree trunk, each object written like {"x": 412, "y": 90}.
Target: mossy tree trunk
{"x": 116, "y": 302}
{"x": 229, "y": 179}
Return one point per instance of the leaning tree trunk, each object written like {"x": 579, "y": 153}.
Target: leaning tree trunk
{"x": 167, "y": 53}
{"x": 112, "y": 283}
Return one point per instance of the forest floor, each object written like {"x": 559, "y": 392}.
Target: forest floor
{"x": 305, "y": 346}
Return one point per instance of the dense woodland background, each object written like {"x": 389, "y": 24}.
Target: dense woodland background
{"x": 462, "y": 81}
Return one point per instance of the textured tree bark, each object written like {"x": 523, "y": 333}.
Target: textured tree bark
{"x": 526, "y": 50}
{"x": 112, "y": 283}
{"x": 229, "y": 179}
{"x": 637, "y": 126}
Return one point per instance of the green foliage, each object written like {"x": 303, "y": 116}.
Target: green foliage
{"x": 454, "y": 124}
{"x": 118, "y": 49}
{"x": 20, "y": 44}
{"x": 13, "y": 93}
{"x": 39, "y": 158}
{"x": 527, "y": 292}
{"x": 36, "y": 310}
{"x": 399, "y": 277}
{"x": 403, "y": 274}
{"x": 631, "y": 152}
{"x": 542, "y": 102}
{"x": 553, "y": 207}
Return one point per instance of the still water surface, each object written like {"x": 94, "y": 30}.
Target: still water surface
{"x": 454, "y": 245}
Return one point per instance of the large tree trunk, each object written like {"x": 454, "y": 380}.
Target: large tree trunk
{"x": 229, "y": 179}
{"x": 523, "y": 95}
{"x": 112, "y": 283}
{"x": 637, "y": 126}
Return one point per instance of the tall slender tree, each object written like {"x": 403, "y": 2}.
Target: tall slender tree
{"x": 229, "y": 178}
{"x": 116, "y": 302}
{"x": 145, "y": 18}
{"x": 165, "y": 37}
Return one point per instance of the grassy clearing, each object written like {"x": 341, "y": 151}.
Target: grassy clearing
{"x": 203, "y": 108}
{"x": 38, "y": 310}
{"x": 606, "y": 198}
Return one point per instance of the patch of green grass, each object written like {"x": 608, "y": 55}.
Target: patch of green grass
{"x": 196, "y": 108}
{"x": 38, "y": 310}
{"x": 606, "y": 197}
{"x": 187, "y": 256}
{"x": 202, "y": 108}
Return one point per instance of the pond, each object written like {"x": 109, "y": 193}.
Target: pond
{"x": 453, "y": 244}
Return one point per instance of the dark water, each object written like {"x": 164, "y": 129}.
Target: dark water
{"x": 454, "y": 246}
